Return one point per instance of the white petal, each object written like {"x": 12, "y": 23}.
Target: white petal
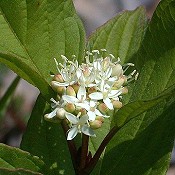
{"x": 112, "y": 79}
{"x": 114, "y": 93}
{"x": 60, "y": 84}
{"x": 108, "y": 103}
{"x": 72, "y": 133}
{"x": 82, "y": 79}
{"x": 95, "y": 64}
{"x": 88, "y": 131}
{"x": 81, "y": 95}
{"x": 52, "y": 114}
{"x": 91, "y": 115}
{"x": 115, "y": 98}
{"x": 91, "y": 85}
{"x": 96, "y": 96}
{"x": 83, "y": 119}
{"x": 91, "y": 78}
{"x": 70, "y": 99}
{"x": 97, "y": 112}
{"x": 108, "y": 72}
{"x": 106, "y": 116}
{"x": 92, "y": 103}
{"x": 72, "y": 118}
{"x": 102, "y": 85}
{"x": 83, "y": 105}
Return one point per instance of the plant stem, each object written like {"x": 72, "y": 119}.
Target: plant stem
{"x": 101, "y": 148}
{"x": 84, "y": 151}
{"x": 71, "y": 145}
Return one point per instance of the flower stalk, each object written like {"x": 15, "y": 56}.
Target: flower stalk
{"x": 84, "y": 151}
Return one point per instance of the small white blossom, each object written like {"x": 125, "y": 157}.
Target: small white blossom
{"x": 58, "y": 108}
{"x": 81, "y": 96}
{"x": 79, "y": 125}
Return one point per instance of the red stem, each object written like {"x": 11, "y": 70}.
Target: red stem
{"x": 101, "y": 148}
{"x": 84, "y": 151}
{"x": 71, "y": 145}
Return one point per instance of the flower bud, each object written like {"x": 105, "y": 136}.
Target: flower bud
{"x": 117, "y": 104}
{"x": 95, "y": 124}
{"x": 58, "y": 98}
{"x": 100, "y": 118}
{"x": 91, "y": 90}
{"x": 58, "y": 77}
{"x": 124, "y": 90}
{"x": 83, "y": 111}
{"x": 117, "y": 70}
{"x": 103, "y": 108}
{"x": 46, "y": 117}
{"x": 61, "y": 113}
{"x": 59, "y": 89}
{"x": 119, "y": 82}
{"x": 70, "y": 107}
{"x": 86, "y": 71}
{"x": 52, "y": 119}
{"x": 70, "y": 91}
{"x": 125, "y": 79}
{"x": 75, "y": 87}
{"x": 106, "y": 63}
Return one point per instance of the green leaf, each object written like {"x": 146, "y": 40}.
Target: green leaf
{"x": 5, "y": 100}
{"x": 147, "y": 147}
{"x": 17, "y": 172}
{"x": 34, "y": 32}
{"x": 47, "y": 141}
{"x": 147, "y": 140}
{"x": 133, "y": 109}
{"x": 13, "y": 158}
{"x": 122, "y": 35}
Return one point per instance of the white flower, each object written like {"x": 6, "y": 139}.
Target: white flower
{"x": 86, "y": 76}
{"x": 91, "y": 108}
{"x": 79, "y": 125}
{"x": 106, "y": 94}
{"x": 58, "y": 107}
{"x": 68, "y": 72}
{"x": 81, "y": 96}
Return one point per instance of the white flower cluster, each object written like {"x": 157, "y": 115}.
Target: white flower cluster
{"x": 87, "y": 92}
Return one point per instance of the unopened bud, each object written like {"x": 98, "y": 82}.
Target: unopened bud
{"x": 125, "y": 79}
{"x": 100, "y": 118}
{"x": 70, "y": 107}
{"x": 61, "y": 113}
{"x": 59, "y": 89}
{"x": 76, "y": 87}
{"x": 103, "y": 108}
{"x": 91, "y": 90}
{"x": 80, "y": 110}
{"x": 46, "y": 117}
{"x": 51, "y": 119}
{"x": 86, "y": 71}
{"x": 106, "y": 63}
{"x": 95, "y": 124}
{"x": 83, "y": 111}
{"x": 58, "y": 77}
{"x": 70, "y": 91}
{"x": 117, "y": 104}
{"x": 124, "y": 90}
{"x": 58, "y": 98}
{"x": 119, "y": 82}
{"x": 117, "y": 70}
